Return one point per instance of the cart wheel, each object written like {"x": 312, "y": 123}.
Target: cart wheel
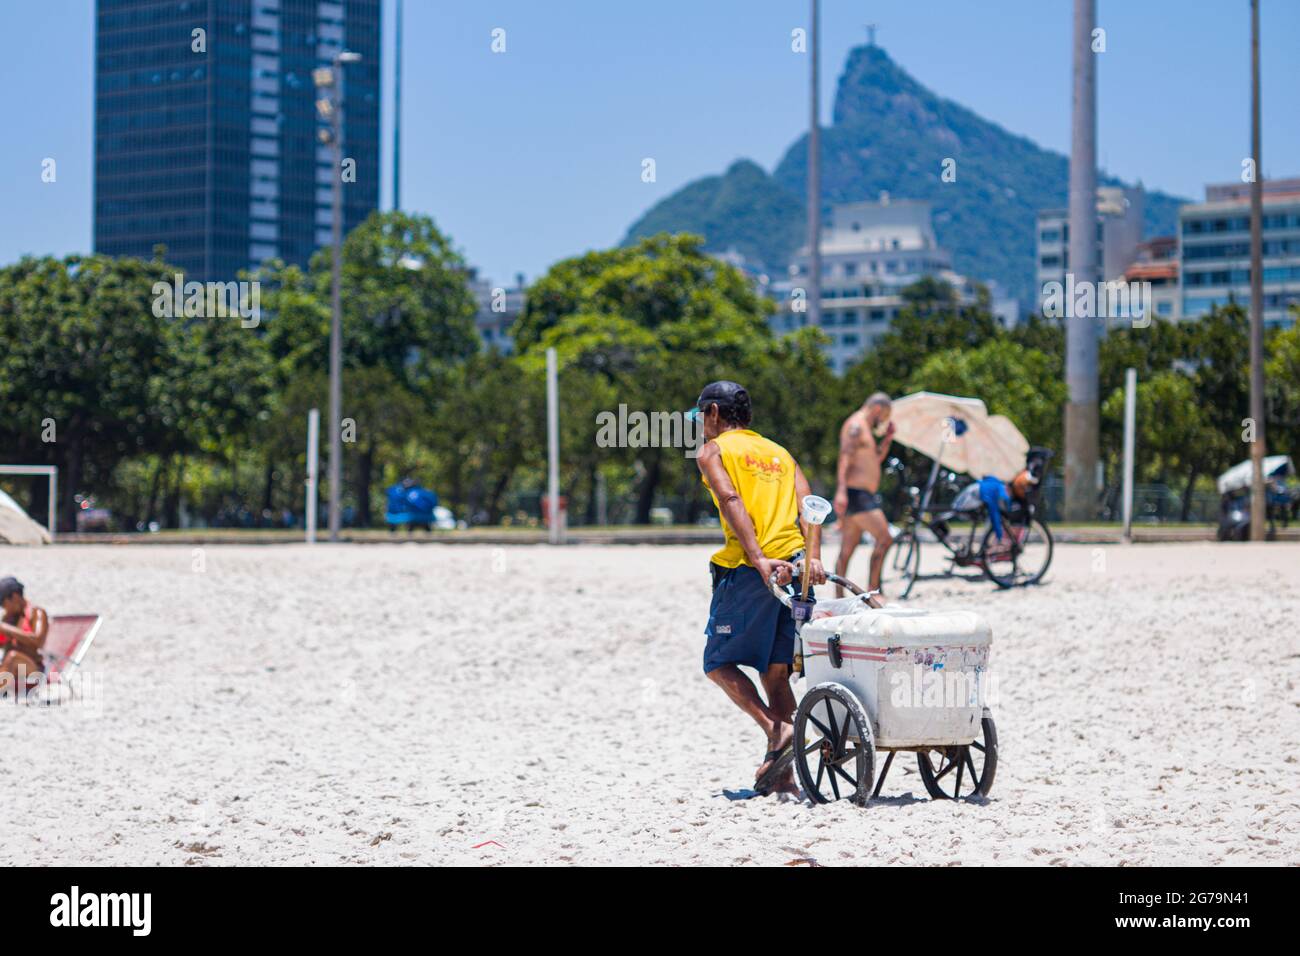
{"x": 836, "y": 758}
{"x": 962, "y": 771}
{"x": 904, "y": 564}
{"x": 1012, "y": 562}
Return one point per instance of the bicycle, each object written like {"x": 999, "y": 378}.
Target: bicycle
{"x": 1020, "y": 557}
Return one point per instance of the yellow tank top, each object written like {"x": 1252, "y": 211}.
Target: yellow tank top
{"x": 763, "y": 473}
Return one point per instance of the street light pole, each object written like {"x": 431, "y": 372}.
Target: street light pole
{"x": 332, "y": 77}
{"x": 814, "y": 291}
{"x": 1081, "y": 414}
{"x": 336, "y": 314}
{"x": 1258, "y": 500}
{"x": 397, "y": 114}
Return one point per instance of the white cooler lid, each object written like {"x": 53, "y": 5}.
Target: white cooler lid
{"x": 903, "y": 627}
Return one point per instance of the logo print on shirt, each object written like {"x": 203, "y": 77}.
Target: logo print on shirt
{"x": 762, "y": 468}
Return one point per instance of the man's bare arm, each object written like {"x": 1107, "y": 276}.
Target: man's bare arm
{"x": 883, "y": 446}
{"x": 850, "y": 437}
{"x": 729, "y": 501}
{"x": 802, "y": 489}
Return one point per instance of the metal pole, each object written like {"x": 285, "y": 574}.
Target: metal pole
{"x": 814, "y": 178}
{"x": 934, "y": 476}
{"x": 54, "y": 495}
{"x": 1258, "y": 502}
{"x": 313, "y": 471}
{"x": 1130, "y": 443}
{"x": 1081, "y": 419}
{"x": 397, "y": 114}
{"x": 553, "y": 445}
{"x": 336, "y": 313}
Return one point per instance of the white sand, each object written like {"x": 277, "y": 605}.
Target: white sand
{"x": 403, "y": 703}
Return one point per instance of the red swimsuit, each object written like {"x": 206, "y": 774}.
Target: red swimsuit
{"x": 25, "y": 625}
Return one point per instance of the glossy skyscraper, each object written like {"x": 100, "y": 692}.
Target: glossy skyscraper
{"x": 208, "y": 142}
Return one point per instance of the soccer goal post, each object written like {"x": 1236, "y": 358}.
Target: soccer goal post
{"x": 51, "y": 472}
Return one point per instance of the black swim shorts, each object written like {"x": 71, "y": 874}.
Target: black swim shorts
{"x": 861, "y": 500}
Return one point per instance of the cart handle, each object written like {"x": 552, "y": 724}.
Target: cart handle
{"x": 784, "y": 596}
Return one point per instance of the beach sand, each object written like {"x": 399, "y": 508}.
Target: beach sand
{"x": 408, "y": 704}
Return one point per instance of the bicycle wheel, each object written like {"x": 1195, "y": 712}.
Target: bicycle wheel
{"x": 1021, "y": 557}
{"x": 901, "y": 565}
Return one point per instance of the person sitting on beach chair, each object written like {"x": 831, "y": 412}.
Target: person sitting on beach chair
{"x": 757, "y": 486}
{"x": 22, "y": 634}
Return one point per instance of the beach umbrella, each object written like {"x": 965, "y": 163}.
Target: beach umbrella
{"x": 960, "y": 434}
{"x": 1239, "y": 475}
{"x": 16, "y": 527}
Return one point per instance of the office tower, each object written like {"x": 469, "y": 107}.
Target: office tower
{"x": 206, "y": 128}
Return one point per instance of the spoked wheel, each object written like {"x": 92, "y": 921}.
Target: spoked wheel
{"x": 902, "y": 565}
{"x": 835, "y": 754}
{"x": 950, "y": 773}
{"x": 1021, "y": 557}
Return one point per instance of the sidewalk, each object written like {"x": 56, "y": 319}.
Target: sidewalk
{"x": 1065, "y": 534}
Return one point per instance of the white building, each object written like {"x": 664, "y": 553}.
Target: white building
{"x": 870, "y": 252}
{"x": 1119, "y": 232}
{"x": 1214, "y": 250}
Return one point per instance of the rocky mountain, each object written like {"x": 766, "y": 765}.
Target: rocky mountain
{"x": 890, "y": 133}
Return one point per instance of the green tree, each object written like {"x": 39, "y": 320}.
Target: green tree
{"x": 800, "y": 402}
{"x": 408, "y": 320}
{"x": 86, "y": 356}
{"x": 930, "y": 321}
{"x": 652, "y": 323}
{"x": 1175, "y": 433}
{"x": 1282, "y": 385}
{"x": 496, "y": 427}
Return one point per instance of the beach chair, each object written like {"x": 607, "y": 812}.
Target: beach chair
{"x": 67, "y": 641}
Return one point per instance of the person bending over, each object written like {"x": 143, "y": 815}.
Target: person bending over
{"x": 757, "y": 486}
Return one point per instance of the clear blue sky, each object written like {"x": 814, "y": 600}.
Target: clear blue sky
{"x": 535, "y": 154}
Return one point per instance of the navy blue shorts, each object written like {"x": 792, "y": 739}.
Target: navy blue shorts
{"x": 747, "y": 624}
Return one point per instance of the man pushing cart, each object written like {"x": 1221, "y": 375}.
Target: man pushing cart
{"x": 757, "y": 486}
{"x": 854, "y": 653}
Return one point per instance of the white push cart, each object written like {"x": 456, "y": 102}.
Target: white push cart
{"x": 889, "y": 680}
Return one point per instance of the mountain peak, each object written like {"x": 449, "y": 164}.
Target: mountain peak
{"x": 892, "y": 134}
{"x": 872, "y": 82}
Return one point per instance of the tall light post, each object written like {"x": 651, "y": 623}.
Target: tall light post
{"x": 329, "y": 80}
{"x": 1081, "y": 416}
{"x": 1258, "y": 501}
{"x": 814, "y": 303}
{"x": 397, "y": 113}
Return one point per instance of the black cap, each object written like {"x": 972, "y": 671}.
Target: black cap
{"x": 9, "y": 586}
{"x": 731, "y": 398}
{"x": 724, "y": 393}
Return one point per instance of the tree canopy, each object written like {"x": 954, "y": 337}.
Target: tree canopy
{"x": 159, "y": 416}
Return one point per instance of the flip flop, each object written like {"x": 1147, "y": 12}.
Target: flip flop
{"x": 781, "y": 759}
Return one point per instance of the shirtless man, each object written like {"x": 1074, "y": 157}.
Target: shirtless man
{"x": 857, "y": 490}
{"x": 23, "y": 627}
